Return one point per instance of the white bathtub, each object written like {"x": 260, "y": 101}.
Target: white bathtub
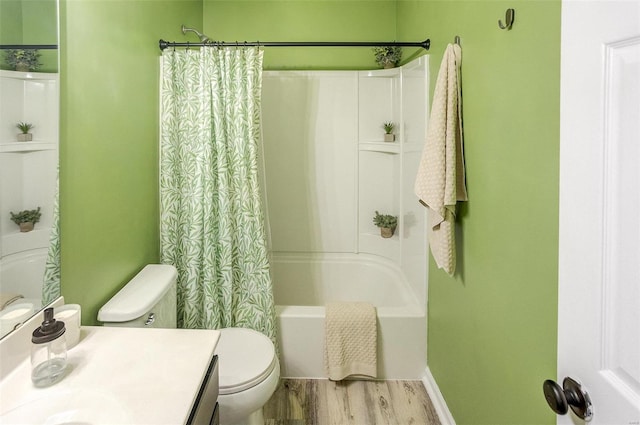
{"x": 22, "y": 273}
{"x": 304, "y": 283}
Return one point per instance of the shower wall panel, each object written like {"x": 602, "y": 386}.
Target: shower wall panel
{"x": 380, "y": 163}
{"x": 310, "y": 149}
{"x": 328, "y": 168}
{"x": 415, "y": 109}
{"x": 378, "y": 191}
{"x": 28, "y": 168}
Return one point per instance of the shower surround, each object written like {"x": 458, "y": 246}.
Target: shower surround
{"x": 327, "y": 171}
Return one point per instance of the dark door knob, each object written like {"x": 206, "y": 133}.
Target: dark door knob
{"x": 571, "y": 394}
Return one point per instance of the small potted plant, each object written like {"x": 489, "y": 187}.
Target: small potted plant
{"x": 388, "y": 131}
{"x": 387, "y": 56}
{"x": 387, "y": 224}
{"x": 26, "y": 219}
{"x": 25, "y": 136}
{"x": 24, "y": 60}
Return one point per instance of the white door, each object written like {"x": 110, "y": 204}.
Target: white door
{"x": 599, "y": 258}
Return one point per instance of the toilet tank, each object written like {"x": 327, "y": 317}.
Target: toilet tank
{"x": 148, "y": 300}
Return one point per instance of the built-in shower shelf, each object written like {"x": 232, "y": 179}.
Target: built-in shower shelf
{"x": 23, "y": 147}
{"x": 385, "y": 147}
{"x": 381, "y": 73}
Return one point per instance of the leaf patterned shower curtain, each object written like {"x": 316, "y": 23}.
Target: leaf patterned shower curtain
{"x": 51, "y": 279}
{"x": 211, "y": 224}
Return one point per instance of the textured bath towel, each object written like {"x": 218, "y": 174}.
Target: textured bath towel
{"x": 350, "y": 340}
{"x": 440, "y": 182}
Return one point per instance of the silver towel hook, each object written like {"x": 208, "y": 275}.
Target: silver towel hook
{"x": 509, "y": 17}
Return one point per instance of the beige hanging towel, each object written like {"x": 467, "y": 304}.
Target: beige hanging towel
{"x": 440, "y": 182}
{"x": 350, "y": 340}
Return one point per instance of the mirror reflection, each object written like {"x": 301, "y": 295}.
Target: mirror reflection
{"x": 29, "y": 117}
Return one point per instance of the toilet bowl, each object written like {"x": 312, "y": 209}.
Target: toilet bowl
{"x": 249, "y": 370}
{"x": 249, "y": 375}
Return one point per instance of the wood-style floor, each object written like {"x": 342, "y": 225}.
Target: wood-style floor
{"x": 324, "y": 402}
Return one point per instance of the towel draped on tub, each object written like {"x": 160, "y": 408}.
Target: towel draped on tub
{"x": 350, "y": 340}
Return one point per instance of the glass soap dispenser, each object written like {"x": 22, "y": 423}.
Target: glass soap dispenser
{"x": 48, "y": 351}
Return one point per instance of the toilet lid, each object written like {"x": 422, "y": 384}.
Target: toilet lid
{"x": 246, "y": 358}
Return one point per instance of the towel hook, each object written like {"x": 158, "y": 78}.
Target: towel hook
{"x": 509, "y": 17}
{"x": 457, "y": 40}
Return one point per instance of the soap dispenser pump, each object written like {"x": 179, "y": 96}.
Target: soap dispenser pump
{"x": 48, "y": 351}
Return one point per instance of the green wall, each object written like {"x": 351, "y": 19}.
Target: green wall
{"x": 109, "y": 141}
{"x": 40, "y": 27}
{"x": 304, "y": 20}
{"x": 109, "y": 123}
{"x": 492, "y": 328}
{"x": 30, "y": 22}
{"x": 10, "y": 22}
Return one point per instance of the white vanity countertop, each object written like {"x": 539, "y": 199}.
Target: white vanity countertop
{"x": 120, "y": 376}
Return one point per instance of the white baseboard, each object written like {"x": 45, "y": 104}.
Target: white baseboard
{"x": 437, "y": 399}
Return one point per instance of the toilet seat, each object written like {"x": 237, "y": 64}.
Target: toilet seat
{"x": 246, "y": 358}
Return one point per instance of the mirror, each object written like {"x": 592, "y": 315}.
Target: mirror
{"x": 29, "y": 120}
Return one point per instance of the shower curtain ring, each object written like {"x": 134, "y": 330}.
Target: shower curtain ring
{"x": 188, "y": 47}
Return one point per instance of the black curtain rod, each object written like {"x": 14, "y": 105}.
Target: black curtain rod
{"x": 29, "y": 46}
{"x": 424, "y": 44}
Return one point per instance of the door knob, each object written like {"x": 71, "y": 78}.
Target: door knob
{"x": 571, "y": 394}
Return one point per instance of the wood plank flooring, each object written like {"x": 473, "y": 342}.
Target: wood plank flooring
{"x": 324, "y": 402}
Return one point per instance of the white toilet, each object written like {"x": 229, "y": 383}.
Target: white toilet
{"x": 249, "y": 369}
{"x": 249, "y": 374}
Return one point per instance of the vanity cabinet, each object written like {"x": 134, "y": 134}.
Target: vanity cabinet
{"x": 118, "y": 376}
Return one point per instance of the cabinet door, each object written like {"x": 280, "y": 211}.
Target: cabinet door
{"x": 215, "y": 419}
{"x": 205, "y": 408}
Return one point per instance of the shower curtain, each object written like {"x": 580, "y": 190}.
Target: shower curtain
{"x": 211, "y": 224}
{"x": 51, "y": 279}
